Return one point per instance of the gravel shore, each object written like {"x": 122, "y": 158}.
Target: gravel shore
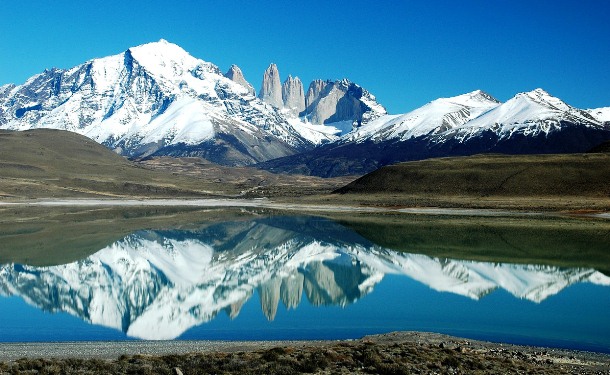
{"x": 114, "y": 349}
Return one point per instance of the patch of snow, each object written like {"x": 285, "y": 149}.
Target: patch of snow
{"x": 316, "y": 134}
{"x": 600, "y": 114}
{"x": 185, "y": 121}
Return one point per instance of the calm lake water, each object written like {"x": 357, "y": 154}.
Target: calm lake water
{"x": 261, "y": 276}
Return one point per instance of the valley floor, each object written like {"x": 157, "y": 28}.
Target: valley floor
{"x": 392, "y": 353}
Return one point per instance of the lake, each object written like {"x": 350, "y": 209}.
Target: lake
{"x": 255, "y": 274}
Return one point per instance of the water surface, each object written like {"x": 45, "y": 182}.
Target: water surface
{"x": 257, "y": 275}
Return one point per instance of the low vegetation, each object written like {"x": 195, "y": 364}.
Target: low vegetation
{"x": 398, "y": 353}
{"x": 46, "y": 163}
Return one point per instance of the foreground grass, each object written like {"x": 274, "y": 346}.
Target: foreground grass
{"x": 401, "y": 355}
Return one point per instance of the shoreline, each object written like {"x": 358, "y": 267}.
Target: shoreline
{"x": 301, "y": 207}
{"x": 424, "y": 351}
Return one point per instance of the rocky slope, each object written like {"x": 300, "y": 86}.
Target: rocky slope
{"x": 293, "y": 95}
{"x": 340, "y": 105}
{"x": 271, "y": 88}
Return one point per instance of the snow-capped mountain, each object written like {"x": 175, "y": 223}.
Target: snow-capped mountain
{"x": 530, "y": 123}
{"x": 156, "y": 99}
{"x": 435, "y": 117}
{"x": 531, "y": 114}
{"x": 158, "y": 284}
{"x": 332, "y": 107}
{"x": 600, "y": 114}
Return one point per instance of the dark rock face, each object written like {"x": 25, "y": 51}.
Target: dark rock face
{"x": 603, "y": 147}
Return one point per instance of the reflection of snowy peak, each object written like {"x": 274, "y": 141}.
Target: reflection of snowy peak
{"x": 157, "y": 285}
{"x": 477, "y": 279}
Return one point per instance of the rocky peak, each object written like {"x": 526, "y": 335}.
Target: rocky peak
{"x": 341, "y": 101}
{"x": 293, "y": 96}
{"x": 542, "y": 97}
{"x": 480, "y": 96}
{"x": 271, "y": 89}
{"x": 235, "y": 74}
{"x": 313, "y": 92}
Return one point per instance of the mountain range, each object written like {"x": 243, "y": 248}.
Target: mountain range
{"x": 158, "y": 284}
{"x": 158, "y": 100}
{"x": 530, "y": 123}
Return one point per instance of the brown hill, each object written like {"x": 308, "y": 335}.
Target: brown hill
{"x": 571, "y": 177}
{"x": 54, "y": 163}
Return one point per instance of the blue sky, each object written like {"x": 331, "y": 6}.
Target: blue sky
{"x": 405, "y": 52}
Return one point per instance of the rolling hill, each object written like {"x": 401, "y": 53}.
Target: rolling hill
{"x": 570, "y": 180}
{"x": 55, "y": 163}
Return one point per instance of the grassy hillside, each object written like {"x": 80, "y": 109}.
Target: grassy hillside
{"x": 569, "y": 180}
{"x": 54, "y": 163}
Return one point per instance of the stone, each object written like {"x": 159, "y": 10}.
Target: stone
{"x": 235, "y": 74}
{"x": 271, "y": 89}
{"x": 293, "y": 96}
{"x": 341, "y": 101}
{"x": 313, "y": 92}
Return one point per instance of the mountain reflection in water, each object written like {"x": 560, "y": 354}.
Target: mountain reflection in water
{"x": 158, "y": 284}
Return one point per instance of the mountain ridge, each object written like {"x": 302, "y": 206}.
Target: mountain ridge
{"x": 532, "y": 122}
{"x": 157, "y": 100}
{"x": 157, "y": 96}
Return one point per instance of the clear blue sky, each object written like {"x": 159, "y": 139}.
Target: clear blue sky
{"x": 405, "y": 52}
